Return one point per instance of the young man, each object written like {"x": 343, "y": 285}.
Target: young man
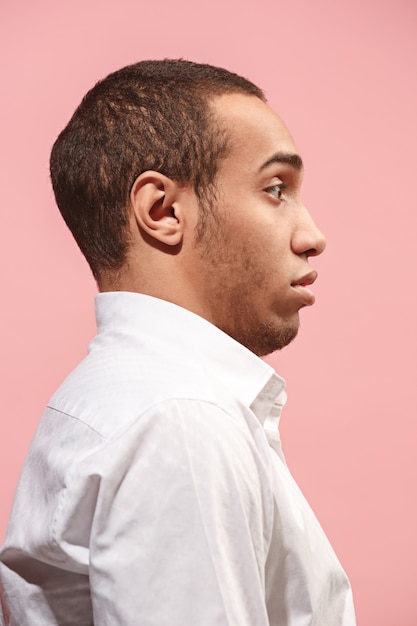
{"x": 155, "y": 491}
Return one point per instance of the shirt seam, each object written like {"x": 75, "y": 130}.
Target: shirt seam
{"x": 78, "y": 419}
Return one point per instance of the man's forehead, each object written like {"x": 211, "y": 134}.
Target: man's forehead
{"x": 256, "y": 130}
{"x": 246, "y": 108}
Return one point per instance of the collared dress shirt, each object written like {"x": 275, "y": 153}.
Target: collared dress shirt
{"x": 155, "y": 492}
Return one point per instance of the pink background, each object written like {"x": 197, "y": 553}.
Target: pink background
{"x": 342, "y": 75}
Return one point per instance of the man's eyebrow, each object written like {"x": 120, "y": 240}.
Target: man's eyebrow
{"x": 284, "y": 157}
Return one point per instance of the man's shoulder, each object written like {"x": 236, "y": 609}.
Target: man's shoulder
{"x": 112, "y": 387}
{"x": 149, "y": 352}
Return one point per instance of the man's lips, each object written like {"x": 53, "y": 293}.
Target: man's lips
{"x": 300, "y": 285}
{"x": 307, "y": 279}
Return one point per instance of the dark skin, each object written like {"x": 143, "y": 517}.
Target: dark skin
{"x": 249, "y": 274}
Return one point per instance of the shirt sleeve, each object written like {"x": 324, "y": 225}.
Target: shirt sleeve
{"x": 182, "y": 524}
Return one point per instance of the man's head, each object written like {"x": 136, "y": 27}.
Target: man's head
{"x": 154, "y": 115}
{"x": 179, "y": 181}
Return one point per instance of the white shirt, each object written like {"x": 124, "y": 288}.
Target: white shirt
{"x": 155, "y": 492}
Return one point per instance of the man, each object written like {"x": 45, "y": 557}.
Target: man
{"x": 155, "y": 491}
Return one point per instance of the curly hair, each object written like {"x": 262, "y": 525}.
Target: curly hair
{"x": 153, "y": 115}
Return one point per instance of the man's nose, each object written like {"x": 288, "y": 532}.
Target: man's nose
{"x": 307, "y": 238}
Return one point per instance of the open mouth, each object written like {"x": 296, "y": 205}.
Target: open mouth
{"x": 306, "y": 280}
{"x": 301, "y": 287}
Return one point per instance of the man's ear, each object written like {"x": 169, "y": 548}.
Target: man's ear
{"x": 155, "y": 202}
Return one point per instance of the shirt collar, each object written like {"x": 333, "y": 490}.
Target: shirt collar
{"x": 249, "y": 378}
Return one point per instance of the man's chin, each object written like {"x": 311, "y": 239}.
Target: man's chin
{"x": 272, "y": 341}
{"x": 266, "y": 339}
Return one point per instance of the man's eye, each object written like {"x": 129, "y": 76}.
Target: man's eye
{"x": 276, "y": 190}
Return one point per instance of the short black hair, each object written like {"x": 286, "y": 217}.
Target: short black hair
{"x": 153, "y": 115}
